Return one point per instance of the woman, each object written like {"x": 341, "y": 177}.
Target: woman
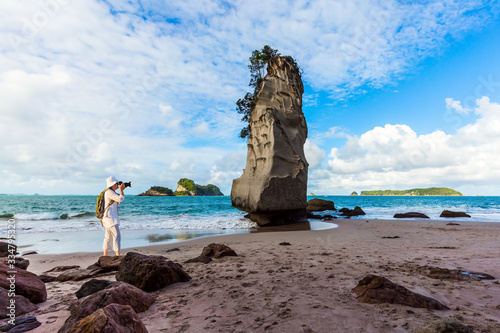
{"x": 111, "y": 221}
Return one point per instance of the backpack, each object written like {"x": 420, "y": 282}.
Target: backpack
{"x": 100, "y": 206}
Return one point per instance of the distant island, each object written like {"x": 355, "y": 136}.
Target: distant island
{"x": 433, "y": 191}
{"x": 185, "y": 187}
{"x": 354, "y": 193}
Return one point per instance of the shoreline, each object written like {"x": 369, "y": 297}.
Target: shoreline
{"x": 307, "y": 285}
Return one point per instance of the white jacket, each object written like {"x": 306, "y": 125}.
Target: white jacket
{"x": 111, "y": 214}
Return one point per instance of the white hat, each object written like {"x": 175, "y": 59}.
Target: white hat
{"x": 111, "y": 181}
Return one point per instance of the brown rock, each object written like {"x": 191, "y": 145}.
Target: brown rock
{"x": 376, "y": 289}
{"x": 118, "y": 293}
{"x": 444, "y": 325}
{"x": 114, "y": 318}
{"x": 62, "y": 268}
{"x": 150, "y": 273}
{"x": 47, "y": 278}
{"x": 19, "y": 262}
{"x": 315, "y": 205}
{"x": 357, "y": 211}
{"x": 109, "y": 263}
{"x": 202, "y": 259}
{"x": 411, "y": 215}
{"x": 218, "y": 251}
{"x": 21, "y": 306}
{"x": 78, "y": 274}
{"x": 5, "y": 247}
{"x": 27, "y": 284}
{"x": 92, "y": 286}
{"x": 449, "y": 213}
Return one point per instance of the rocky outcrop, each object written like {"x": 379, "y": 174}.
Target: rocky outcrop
{"x": 218, "y": 251}
{"x": 444, "y": 325}
{"x": 410, "y": 215}
{"x": 449, "y": 213}
{"x": 357, "y": 211}
{"x": 317, "y": 205}
{"x": 150, "y": 273}
{"x": 21, "y": 306}
{"x": 19, "y": 262}
{"x": 22, "y": 324}
{"x": 77, "y": 274}
{"x": 273, "y": 187}
{"x": 113, "y": 318}
{"x": 28, "y": 284}
{"x": 118, "y": 293}
{"x": 454, "y": 274}
{"x": 107, "y": 263}
{"x": 5, "y": 247}
{"x": 92, "y": 286}
{"x": 377, "y": 289}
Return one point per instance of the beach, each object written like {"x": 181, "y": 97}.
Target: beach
{"x": 307, "y": 286}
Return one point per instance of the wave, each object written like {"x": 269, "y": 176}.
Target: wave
{"x": 49, "y": 216}
{"x": 75, "y": 215}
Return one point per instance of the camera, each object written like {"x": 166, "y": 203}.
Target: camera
{"x": 129, "y": 184}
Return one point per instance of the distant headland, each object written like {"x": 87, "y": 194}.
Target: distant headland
{"x": 432, "y": 191}
{"x": 185, "y": 187}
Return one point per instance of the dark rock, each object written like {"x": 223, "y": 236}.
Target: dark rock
{"x": 285, "y": 243}
{"x": 449, "y": 213}
{"x": 357, "y": 211}
{"x": 444, "y": 325}
{"x": 279, "y": 218}
{"x": 47, "y": 278}
{"x": 62, "y": 268}
{"x": 113, "y": 318}
{"x": 391, "y": 237}
{"x": 21, "y": 306}
{"x": 201, "y": 258}
{"x": 314, "y": 216}
{"x": 22, "y": 324}
{"x": 218, "y": 251}
{"x": 172, "y": 250}
{"x": 29, "y": 253}
{"x": 92, "y": 286}
{"x": 119, "y": 293}
{"x": 329, "y": 217}
{"x": 19, "y": 262}
{"x": 4, "y": 249}
{"x": 376, "y": 289}
{"x": 452, "y": 223}
{"x": 108, "y": 263}
{"x": 27, "y": 284}
{"x": 78, "y": 274}
{"x": 411, "y": 215}
{"x": 150, "y": 273}
{"x": 316, "y": 205}
{"x": 454, "y": 274}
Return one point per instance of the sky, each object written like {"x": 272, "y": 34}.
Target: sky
{"x": 398, "y": 94}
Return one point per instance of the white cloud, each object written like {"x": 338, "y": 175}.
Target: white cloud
{"x": 314, "y": 154}
{"x": 396, "y": 157}
{"x": 452, "y": 104}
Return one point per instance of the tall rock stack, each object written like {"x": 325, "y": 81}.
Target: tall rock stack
{"x": 273, "y": 187}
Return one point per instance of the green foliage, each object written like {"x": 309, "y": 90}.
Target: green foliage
{"x": 354, "y": 193}
{"x": 161, "y": 189}
{"x": 199, "y": 190}
{"x": 258, "y": 62}
{"x": 436, "y": 191}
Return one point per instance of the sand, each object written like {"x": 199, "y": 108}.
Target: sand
{"x": 306, "y": 286}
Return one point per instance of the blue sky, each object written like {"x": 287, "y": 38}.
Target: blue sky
{"x": 398, "y": 94}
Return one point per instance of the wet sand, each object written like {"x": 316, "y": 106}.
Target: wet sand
{"x": 306, "y": 286}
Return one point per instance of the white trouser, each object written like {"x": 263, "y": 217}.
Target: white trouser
{"x": 112, "y": 234}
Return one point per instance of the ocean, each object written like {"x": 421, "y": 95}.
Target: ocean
{"x": 170, "y": 219}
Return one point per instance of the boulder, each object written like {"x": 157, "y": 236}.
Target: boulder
{"x": 4, "y": 249}
{"x": 78, "y": 274}
{"x": 377, "y": 289}
{"x": 202, "y": 259}
{"x": 119, "y": 293}
{"x": 316, "y": 205}
{"x": 273, "y": 187}
{"x": 449, "y": 213}
{"x": 47, "y": 278}
{"x": 113, "y": 318}
{"x": 218, "y": 251}
{"x": 411, "y": 215}
{"x": 444, "y": 325}
{"x": 92, "y": 286}
{"x": 357, "y": 211}
{"x": 27, "y": 284}
{"x": 22, "y": 324}
{"x": 454, "y": 274}
{"x": 150, "y": 273}
{"x": 19, "y": 262}
{"x": 21, "y": 306}
{"x": 62, "y": 268}
{"x": 107, "y": 263}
